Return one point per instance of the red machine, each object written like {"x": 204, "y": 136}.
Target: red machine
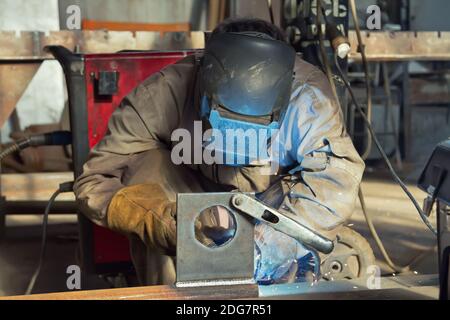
{"x": 96, "y": 85}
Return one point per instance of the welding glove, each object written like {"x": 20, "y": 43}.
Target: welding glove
{"x": 145, "y": 210}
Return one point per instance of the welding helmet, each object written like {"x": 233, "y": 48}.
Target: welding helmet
{"x": 246, "y": 81}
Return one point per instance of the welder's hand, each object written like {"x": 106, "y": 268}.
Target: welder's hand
{"x": 219, "y": 235}
{"x": 145, "y": 210}
{"x": 212, "y": 236}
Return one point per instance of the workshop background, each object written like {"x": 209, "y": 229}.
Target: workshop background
{"x": 409, "y": 77}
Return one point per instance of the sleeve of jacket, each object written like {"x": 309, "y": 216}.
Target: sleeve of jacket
{"x": 143, "y": 121}
{"x": 322, "y": 190}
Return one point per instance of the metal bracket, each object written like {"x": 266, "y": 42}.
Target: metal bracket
{"x": 198, "y": 265}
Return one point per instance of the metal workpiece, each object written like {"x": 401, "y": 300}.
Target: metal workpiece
{"x": 232, "y": 261}
{"x": 163, "y": 292}
{"x": 281, "y": 222}
{"x": 198, "y": 265}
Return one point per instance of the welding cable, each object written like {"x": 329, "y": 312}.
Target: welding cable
{"x": 63, "y": 188}
{"x": 323, "y": 54}
{"x": 269, "y": 7}
{"x": 380, "y": 149}
{"x": 368, "y": 218}
{"x": 56, "y": 138}
{"x": 361, "y": 49}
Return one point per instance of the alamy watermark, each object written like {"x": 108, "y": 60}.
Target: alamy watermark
{"x": 373, "y": 21}
{"x": 73, "y": 17}
{"x": 73, "y": 281}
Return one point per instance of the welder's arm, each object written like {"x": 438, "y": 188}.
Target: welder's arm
{"x": 323, "y": 189}
{"x": 109, "y": 161}
{"x": 141, "y": 123}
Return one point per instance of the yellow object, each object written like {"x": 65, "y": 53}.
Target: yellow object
{"x": 145, "y": 210}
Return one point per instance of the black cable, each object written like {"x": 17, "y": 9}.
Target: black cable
{"x": 63, "y": 187}
{"x": 361, "y": 49}
{"x": 380, "y": 149}
{"x": 323, "y": 54}
{"x": 269, "y": 7}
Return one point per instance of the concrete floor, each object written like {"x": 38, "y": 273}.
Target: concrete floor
{"x": 19, "y": 253}
{"x": 404, "y": 235}
{"x": 399, "y": 226}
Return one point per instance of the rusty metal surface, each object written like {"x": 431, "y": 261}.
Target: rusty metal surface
{"x": 151, "y": 293}
{"x": 380, "y": 45}
{"x": 28, "y": 45}
{"x": 402, "y": 46}
{"x": 113, "y": 41}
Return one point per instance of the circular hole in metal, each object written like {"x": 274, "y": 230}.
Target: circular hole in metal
{"x": 215, "y": 226}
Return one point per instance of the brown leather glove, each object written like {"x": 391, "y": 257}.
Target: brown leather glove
{"x": 145, "y": 210}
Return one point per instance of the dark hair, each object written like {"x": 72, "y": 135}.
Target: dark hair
{"x": 250, "y": 24}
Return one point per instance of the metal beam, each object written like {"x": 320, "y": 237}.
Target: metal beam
{"x": 380, "y": 45}
{"x": 29, "y": 46}
{"x": 402, "y": 46}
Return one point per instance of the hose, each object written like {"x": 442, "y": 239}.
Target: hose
{"x": 361, "y": 49}
{"x": 46, "y": 139}
{"x": 16, "y": 146}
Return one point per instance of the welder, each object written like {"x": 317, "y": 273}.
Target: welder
{"x": 303, "y": 163}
